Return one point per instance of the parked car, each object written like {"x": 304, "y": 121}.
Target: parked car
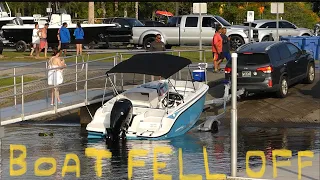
{"x": 286, "y": 28}
{"x": 272, "y": 67}
{"x": 184, "y": 30}
{"x": 150, "y": 23}
{"x": 122, "y": 33}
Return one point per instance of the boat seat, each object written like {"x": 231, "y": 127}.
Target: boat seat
{"x": 149, "y": 120}
{"x": 147, "y": 98}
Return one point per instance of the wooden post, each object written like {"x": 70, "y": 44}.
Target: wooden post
{"x": 125, "y": 11}
{"x": 104, "y": 11}
{"x": 177, "y": 9}
{"x": 116, "y": 8}
{"x": 137, "y": 10}
{"x": 91, "y": 13}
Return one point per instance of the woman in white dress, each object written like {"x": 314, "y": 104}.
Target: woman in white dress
{"x": 55, "y": 76}
{"x": 35, "y": 39}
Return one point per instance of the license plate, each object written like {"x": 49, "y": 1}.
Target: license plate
{"x": 246, "y": 73}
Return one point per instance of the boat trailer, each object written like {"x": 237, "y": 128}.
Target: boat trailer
{"x": 211, "y": 122}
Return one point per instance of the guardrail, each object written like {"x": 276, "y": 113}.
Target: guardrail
{"x": 78, "y": 67}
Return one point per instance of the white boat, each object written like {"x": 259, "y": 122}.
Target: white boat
{"x": 19, "y": 34}
{"x": 155, "y": 110}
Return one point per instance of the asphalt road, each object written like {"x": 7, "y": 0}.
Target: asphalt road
{"x": 301, "y": 106}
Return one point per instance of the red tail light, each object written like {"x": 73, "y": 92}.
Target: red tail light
{"x": 270, "y": 83}
{"x": 227, "y": 70}
{"x": 267, "y": 69}
{"x": 247, "y": 53}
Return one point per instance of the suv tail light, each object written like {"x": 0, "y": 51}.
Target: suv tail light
{"x": 270, "y": 83}
{"x": 227, "y": 70}
{"x": 266, "y": 69}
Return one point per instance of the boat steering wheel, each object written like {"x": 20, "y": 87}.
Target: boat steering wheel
{"x": 168, "y": 103}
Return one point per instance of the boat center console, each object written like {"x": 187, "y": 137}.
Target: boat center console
{"x": 156, "y": 95}
{"x": 165, "y": 97}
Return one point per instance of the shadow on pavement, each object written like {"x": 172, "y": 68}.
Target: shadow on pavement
{"x": 314, "y": 92}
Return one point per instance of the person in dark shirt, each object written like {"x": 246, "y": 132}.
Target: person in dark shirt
{"x": 157, "y": 45}
{"x": 225, "y": 44}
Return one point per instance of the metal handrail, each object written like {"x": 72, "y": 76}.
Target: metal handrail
{"x": 34, "y": 63}
{"x": 108, "y": 52}
{"x": 168, "y": 51}
{"x": 91, "y": 61}
{"x": 47, "y": 88}
{"x": 20, "y": 66}
{"x": 116, "y": 58}
{"x": 48, "y": 69}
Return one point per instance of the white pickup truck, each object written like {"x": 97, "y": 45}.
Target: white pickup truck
{"x": 184, "y": 30}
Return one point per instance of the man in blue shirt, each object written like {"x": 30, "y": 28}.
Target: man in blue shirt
{"x": 64, "y": 38}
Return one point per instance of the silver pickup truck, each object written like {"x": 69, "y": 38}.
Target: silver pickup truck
{"x": 184, "y": 30}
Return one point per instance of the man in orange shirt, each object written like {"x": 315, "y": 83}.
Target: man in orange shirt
{"x": 217, "y": 48}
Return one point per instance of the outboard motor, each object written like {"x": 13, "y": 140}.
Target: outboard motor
{"x": 120, "y": 118}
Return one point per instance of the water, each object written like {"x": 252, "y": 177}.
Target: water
{"x": 72, "y": 139}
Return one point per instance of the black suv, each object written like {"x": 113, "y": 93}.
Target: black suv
{"x": 272, "y": 67}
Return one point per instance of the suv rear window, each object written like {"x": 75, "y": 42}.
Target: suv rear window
{"x": 253, "y": 59}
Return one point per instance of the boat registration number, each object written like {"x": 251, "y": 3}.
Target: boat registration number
{"x": 246, "y": 73}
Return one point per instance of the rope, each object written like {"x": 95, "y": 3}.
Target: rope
{"x": 89, "y": 112}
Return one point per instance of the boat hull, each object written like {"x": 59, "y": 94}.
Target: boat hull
{"x": 95, "y": 135}
{"x": 183, "y": 123}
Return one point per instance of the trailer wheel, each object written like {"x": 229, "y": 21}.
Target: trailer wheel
{"x": 21, "y": 46}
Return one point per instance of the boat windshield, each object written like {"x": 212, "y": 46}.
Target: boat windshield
{"x": 135, "y": 23}
{"x": 222, "y": 21}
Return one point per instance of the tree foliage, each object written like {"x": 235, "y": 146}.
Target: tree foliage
{"x": 300, "y": 13}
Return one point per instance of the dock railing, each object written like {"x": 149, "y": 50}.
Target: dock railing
{"x": 85, "y": 70}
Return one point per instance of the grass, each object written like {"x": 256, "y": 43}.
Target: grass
{"x": 9, "y": 81}
{"x": 24, "y": 56}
